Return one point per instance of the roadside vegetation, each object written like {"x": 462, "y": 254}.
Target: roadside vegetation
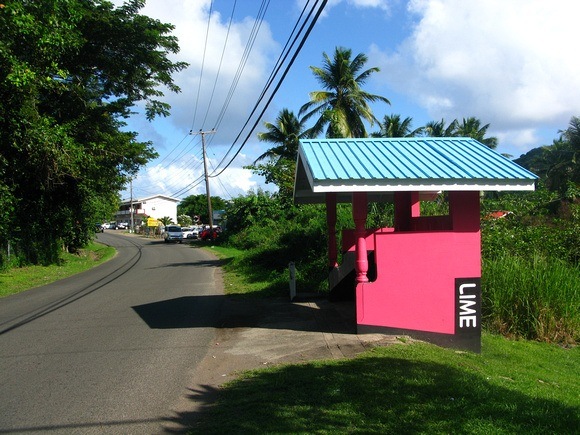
{"x": 16, "y": 280}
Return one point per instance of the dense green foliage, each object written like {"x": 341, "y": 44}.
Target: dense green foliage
{"x": 558, "y": 164}
{"x": 70, "y": 71}
{"x": 196, "y": 205}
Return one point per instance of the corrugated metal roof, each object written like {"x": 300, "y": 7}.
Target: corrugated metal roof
{"x": 386, "y": 165}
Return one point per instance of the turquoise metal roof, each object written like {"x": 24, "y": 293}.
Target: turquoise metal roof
{"x": 381, "y": 166}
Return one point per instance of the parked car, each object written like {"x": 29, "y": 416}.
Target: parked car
{"x": 99, "y": 228}
{"x": 208, "y": 234}
{"x": 187, "y": 233}
{"x": 122, "y": 226}
{"x": 113, "y": 225}
{"x": 173, "y": 233}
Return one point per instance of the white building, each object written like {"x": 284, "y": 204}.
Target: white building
{"x": 156, "y": 206}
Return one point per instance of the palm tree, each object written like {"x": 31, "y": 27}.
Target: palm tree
{"x": 471, "y": 127}
{"x": 286, "y": 132}
{"x": 438, "y": 129}
{"x": 393, "y": 127}
{"x": 342, "y": 105}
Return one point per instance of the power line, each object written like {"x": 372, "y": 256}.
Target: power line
{"x": 220, "y": 65}
{"x": 202, "y": 65}
{"x": 302, "y": 42}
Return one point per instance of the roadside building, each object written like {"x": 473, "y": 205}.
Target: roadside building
{"x": 156, "y": 206}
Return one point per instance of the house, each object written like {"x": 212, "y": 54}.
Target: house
{"x": 156, "y": 206}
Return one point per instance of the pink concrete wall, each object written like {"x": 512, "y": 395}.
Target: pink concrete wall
{"x": 415, "y": 285}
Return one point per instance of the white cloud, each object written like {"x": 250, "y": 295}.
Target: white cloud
{"x": 214, "y": 65}
{"x": 509, "y": 63}
{"x": 187, "y": 177}
{"x": 214, "y": 75}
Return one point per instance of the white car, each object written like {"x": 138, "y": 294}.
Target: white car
{"x": 187, "y": 233}
{"x": 173, "y": 233}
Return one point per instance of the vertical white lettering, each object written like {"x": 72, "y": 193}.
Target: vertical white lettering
{"x": 463, "y": 286}
{"x": 467, "y": 320}
{"x": 464, "y": 307}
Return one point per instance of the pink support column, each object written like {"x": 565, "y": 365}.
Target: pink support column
{"x": 359, "y": 214}
{"x": 331, "y": 222}
{"x": 415, "y": 205}
{"x": 407, "y": 206}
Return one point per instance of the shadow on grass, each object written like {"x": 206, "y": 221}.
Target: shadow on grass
{"x": 379, "y": 395}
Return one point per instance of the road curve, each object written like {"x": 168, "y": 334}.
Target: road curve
{"x": 111, "y": 350}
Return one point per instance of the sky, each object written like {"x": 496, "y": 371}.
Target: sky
{"x": 510, "y": 63}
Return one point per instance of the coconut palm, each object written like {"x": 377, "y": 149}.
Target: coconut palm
{"x": 471, "y": 127}
{"x": 438, "y": 128}
{"x": 392, "y": 126}
{"x": 342, "y": 105}
{"x": 286, "y": 133}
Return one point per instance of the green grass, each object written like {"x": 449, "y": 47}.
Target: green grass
{"x": 512, "y": 387}
{"x": 20, "y": 279}
{"x": 242, "y": 277}
{"x": 533, "y": 298}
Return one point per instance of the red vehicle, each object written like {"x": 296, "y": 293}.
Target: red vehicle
{"x": 207, "y": 234}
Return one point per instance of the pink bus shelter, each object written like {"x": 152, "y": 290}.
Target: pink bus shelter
{"x": 422, "y": 277}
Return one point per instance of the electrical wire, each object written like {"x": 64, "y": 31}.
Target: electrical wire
{"x": 286, "y": 52}
{"x": 220, "y": 64}
{"x": 302, "y": 42}
{"x": 249, "y": 45}
{"x": 281, "y": 59}
{"x": 202, "y": 64}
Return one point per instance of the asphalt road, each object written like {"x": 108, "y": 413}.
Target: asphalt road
{"x": 112, "y": 350}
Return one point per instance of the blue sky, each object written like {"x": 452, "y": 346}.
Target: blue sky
{"x": 510, "y": 63}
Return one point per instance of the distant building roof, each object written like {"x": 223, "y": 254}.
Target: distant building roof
{"x": 149, "y": 198}
{"x": 381, "y": 166}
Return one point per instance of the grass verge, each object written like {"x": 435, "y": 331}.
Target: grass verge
{"x": 242, "y": 277}
{"x": 511, "y": 387}
{"x": 23, "y": 278}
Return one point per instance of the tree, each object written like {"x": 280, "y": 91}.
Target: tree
{"x": 343, "y": 106}
{"x": 196, "y": 205}
{"x": 166, "y": 220}
{"x": 184, "y": 220}
{"x": 71, "y": 71}
{"x": 392, "y": 126}
{"x": 285, "y": 134}
{"x": 557, "y": 164}
{"x": 438, "y": 128}
{"x": 280, "y": 163}
{"x": 471, "y": 127}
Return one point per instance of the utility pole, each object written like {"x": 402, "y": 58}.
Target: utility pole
{"x": 209, "y": 210}
{"x": 132, "y": 228}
